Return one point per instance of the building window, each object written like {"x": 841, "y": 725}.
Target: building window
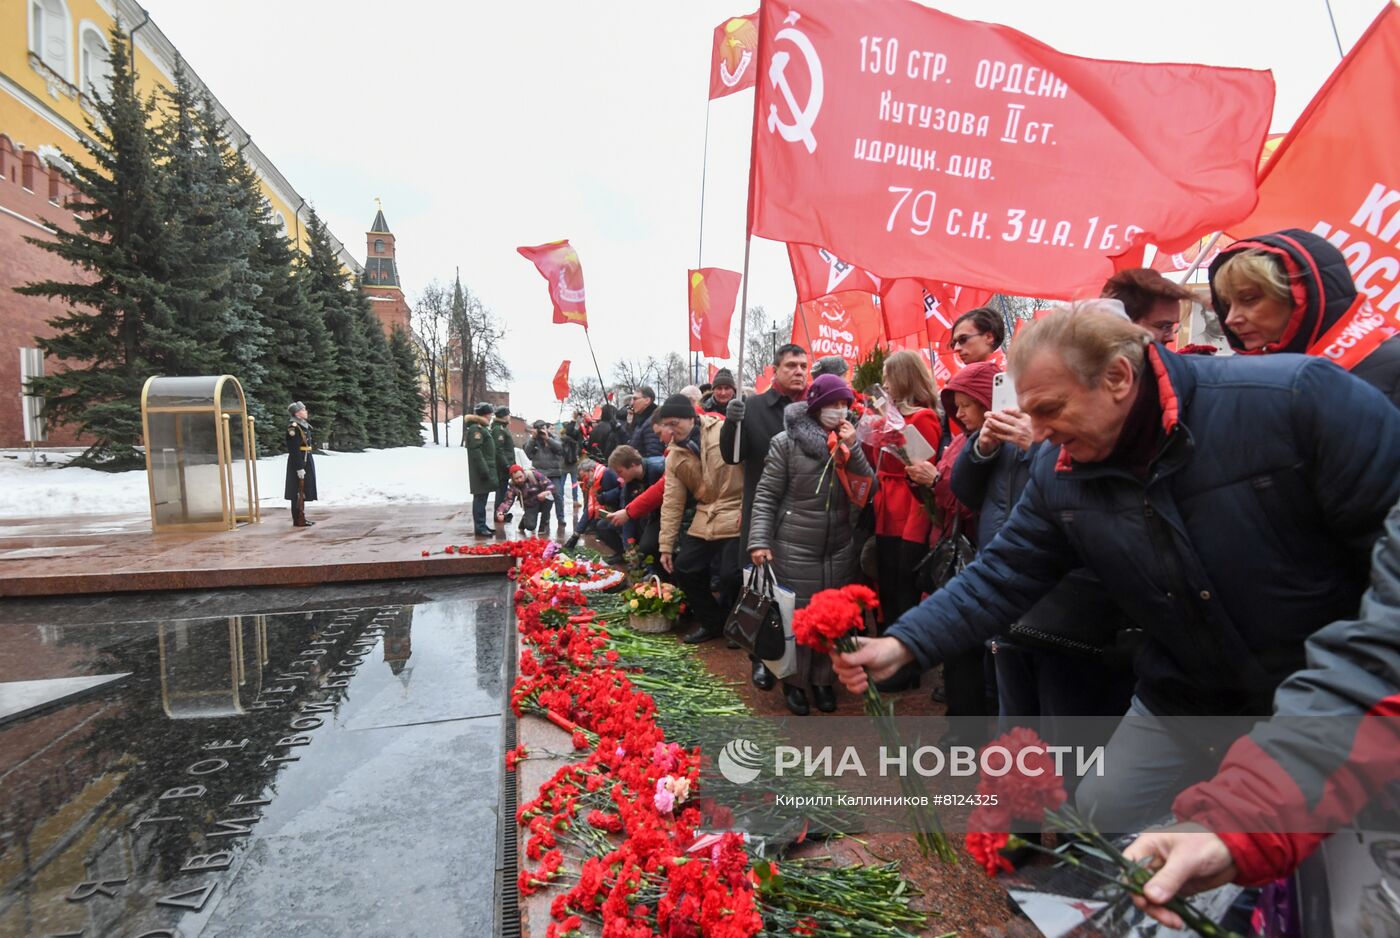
{"x": 49, "y": 31}
{"x": 95, "y": 67}
{"x": 379, "y": 245}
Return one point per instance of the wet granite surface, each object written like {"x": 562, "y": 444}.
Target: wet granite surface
{"x": 315, "y": 762}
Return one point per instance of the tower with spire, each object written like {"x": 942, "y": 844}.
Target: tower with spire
{"x": 381, "y": 280}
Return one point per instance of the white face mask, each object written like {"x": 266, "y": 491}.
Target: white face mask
{"x": 831, "y": 417}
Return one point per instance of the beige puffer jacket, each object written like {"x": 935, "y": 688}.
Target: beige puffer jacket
{"x": 717, "y": 486}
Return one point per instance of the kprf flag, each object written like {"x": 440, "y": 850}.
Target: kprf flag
{"x": 912, "y": 143}
{"x": 561, "y": 381}
{"x": 817, "y": 272}
{"x": 846, "y": 324}
{"x": 712, "y": 292}
{"x": 732, "y": 62}
{"x": 1338, "y": 170}
{"x": 558, "y": 263}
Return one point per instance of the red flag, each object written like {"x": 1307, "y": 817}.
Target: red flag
{"x": 1183, "y": 259}
{"x": 927, "y": 307}
{"x": 845, "y": 324}
{"x": 817, "y": 272}
{"x": 908, "y": 141}
{"x": 712, "y": 294}
{"x": 764, "y": 381}
{"x": 1338, "y": 170}
{"x": 561, "y": 381}
{"x": 710, "y": 372}
{"x": 732, "y": 62}
{"x": 558, "y": 263}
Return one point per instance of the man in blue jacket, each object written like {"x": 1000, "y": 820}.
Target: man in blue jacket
{"x": 1229, "y": 507}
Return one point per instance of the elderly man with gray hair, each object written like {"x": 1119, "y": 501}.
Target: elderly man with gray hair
{"x": 1228, "y": 506}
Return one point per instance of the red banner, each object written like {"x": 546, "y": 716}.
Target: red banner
{"x": 561, "y": 381}
{"x": 911, "y": 142}
{"x": 1338, "y": 170}
{"x": 732, "y": 62}
{"x": 817, "y": 272}
{"x": 558, "y": 263}
{"x": 1183, "y": 259}
{"x": 845, "y": 324}
{"x": 927, "y": 307}
{"x": 712, "y": 294}
{"x": 710, "y": 372}
{"x": 764, "y": 381}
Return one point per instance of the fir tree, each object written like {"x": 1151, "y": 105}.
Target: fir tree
{"x": 376, "y": 374}
{"x": 408, "y": 388}
{"x": 299, "y": 361}
{"x": 328, "y": 291}
{"x": 120, "y": 327}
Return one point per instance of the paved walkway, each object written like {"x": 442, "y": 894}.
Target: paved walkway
{"x": 119, "y": 553}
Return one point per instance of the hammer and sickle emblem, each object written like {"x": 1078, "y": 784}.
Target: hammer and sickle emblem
{"x": 802, "y": 117}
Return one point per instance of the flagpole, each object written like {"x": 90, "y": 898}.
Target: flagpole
{"x": 602, "y": 385}
{"x": 1201, "y": 255}
{"x": 1335, "y": 35}
{"x": 743, "y": 311}
{"x": 700, "y": 247}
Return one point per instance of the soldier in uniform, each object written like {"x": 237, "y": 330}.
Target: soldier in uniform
{"x": 301, "y": 470}
{"x": 505, "y": 453}
{"x": 481, "y": 464}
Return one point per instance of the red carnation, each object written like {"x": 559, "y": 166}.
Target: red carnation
{"x": 986, "y": 848}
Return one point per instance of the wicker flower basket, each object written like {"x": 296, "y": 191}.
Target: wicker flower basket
{"x": 652, "y": 623}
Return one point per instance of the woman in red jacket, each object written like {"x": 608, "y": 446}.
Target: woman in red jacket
{"x": 901, "y": 523}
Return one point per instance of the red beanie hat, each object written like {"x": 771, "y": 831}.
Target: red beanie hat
{"x": 514, "y": 469}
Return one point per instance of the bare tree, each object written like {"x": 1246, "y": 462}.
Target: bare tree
{"x": 763, "y": 335}
{"x": 672, "y": 373}
{"x": 474, "y": 347}
{"x": 584, "y": 394}
{"x": 432, "y": 315}
{"x": 632, "y": 373}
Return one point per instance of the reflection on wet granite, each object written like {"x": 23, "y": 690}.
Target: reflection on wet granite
{"x": 329, "y": 771}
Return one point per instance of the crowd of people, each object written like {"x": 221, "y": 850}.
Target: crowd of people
{"x": 1146, "y": 530}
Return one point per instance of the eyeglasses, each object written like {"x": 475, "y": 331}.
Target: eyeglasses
{"x": 960, "y": 340}
{"x": 1167, "y": 326}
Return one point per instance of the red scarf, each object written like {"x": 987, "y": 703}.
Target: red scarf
{"x": 857, "y": 488}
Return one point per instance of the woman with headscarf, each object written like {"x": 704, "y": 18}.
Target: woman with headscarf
{"x": 1291, "y": 291}
{"x": 803, "y": 515}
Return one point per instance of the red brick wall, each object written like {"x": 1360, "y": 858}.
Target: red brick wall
{"x": 389, "y": 306}
{"x": 22, "y": 318}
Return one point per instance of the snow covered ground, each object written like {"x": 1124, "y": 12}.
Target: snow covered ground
{"x": 376, "y": 477}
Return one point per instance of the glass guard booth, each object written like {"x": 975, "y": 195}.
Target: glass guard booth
{"x": 201, "y": 453}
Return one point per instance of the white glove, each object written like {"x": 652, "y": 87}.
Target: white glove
{"x": 301, "y": 473}
{"x": 546, "y": 496}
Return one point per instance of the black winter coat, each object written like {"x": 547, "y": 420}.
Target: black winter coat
{"x": 644, "y": 438}
{"x": 1252, "y": 530}
{"x": 299, "y": 451}
{"x": 763, "y": 420}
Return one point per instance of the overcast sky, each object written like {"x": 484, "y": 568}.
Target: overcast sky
{"x": 483, "y": 126}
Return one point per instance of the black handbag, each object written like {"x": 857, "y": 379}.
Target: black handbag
{"x": 755, "y": 622}
{"x": 946, "y": 560}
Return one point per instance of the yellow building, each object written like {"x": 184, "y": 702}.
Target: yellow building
{"x": 52, "y": 54}
{"x": 53, "y": 51}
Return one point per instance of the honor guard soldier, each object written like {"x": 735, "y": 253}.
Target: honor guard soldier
{"x": 301, "y": 470}
{"x": 505, "y": 452}
{"x": 481, "y": 464}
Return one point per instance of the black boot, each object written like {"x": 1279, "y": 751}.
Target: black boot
{"x": 700, "y": 634}
{"x": 483, "y": 531}
{"x": 824, "y": 696}
{"x": 796, "y": 699}
{"x": 762, "y": 678}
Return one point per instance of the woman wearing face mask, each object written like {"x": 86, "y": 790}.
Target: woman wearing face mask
{"x": 1290, "y": 291}
{"x": 803, "y": 517}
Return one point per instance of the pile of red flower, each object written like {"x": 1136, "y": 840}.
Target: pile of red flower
{"x": 830, "y": 620}
{"x": 625, "y": 813}
{"x": 1017, "y": 795}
